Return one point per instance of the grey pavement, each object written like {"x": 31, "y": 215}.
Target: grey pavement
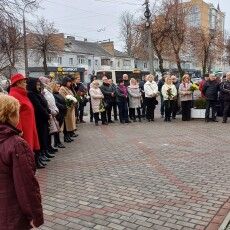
{"x": 140, "y": 176}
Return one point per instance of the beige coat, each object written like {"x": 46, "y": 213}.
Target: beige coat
{"x": 96, "y": 97}
{"x": 70, "y": 119}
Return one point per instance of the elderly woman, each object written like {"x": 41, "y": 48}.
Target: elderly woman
{"x": 70, "y": 118}
{"x": 185, "y": 97}
{"x": 27, "y": 123}
{"x": 169, "y": 93}
{"x": 20, "y": 200}
{"x": 97, "y": 102}
{"x": 151, "y": 92}
{"x": 134, "y": 99}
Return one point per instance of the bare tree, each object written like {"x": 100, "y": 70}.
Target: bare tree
{"x": 45, "y": 41}
{"x": 228, "y": 50}
{"x": 10, "y": 42}
{"x": 127, "y": 27}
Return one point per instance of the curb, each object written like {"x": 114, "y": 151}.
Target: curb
{"x": 225, "y": 223}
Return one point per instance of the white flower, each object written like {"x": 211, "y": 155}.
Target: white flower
{"x": 71, "y": 98}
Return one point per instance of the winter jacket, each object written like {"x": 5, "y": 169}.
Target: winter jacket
{"x": 51, "y": 102}
{"x": 107, "y": 90}
{"x": 160, "y": 84}
{"x": 20, "y": 198}
{"x": 165, "y": 94}
{"x": 225, "y": 90}
{"x": 185, "y": 92}
{"x": 151, "y": 89}
{"x": 210, "y": 90}
{"x": 96, "y": 98}
{"x": 120, "y": 96}
{"x": 27, "y": 123}
{"x": 134, "y": 97}
{"x": 201, "y": 86}
{"x": 60, "y": 103}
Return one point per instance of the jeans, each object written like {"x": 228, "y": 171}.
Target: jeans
{"x": 210, "y": 104}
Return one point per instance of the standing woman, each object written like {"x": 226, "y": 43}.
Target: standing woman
{"x": 60, "y": 102}
{"x": 185, "y": 97}
{"x": 134, "y": 99}
{"x": 151, "y": 92}
{"x": 27, "y": 122}
{"x": 96, "y": 101}
{"x": 169, "y": 93}
{"x": 70, "y": 118}
{"x": 20, "y": 199}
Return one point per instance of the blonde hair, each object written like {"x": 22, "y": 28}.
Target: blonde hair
{"x": 150, "y": 76}
{"x": 167, "y": 79}
{"x": 185, "y": 76}
{"x": 9, "y": 106}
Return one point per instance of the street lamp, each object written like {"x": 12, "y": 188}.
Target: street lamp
{"x": 24, "y": 34}
{"x": 147, "y": 15}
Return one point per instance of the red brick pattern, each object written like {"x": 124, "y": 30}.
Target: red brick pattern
{"x": 140, "y": 176}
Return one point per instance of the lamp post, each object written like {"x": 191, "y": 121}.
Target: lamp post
{"x": 24, "y": 35}
{"x": 147, "y": 15}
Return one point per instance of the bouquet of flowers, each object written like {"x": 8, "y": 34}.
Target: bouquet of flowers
{"x": 194, "y": 87}
{"x": 70, "y": 100}
{"x": 169, "y": 93}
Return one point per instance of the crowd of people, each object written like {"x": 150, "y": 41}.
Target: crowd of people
{"x": 37, "y": 110}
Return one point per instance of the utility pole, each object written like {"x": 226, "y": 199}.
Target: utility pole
{"x": 24, "y": 35}
{"x": 147, "y": 15}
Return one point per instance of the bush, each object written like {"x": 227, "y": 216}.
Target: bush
{"x": 200, "y": 103}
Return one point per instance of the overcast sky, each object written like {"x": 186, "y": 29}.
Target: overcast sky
{"x": 99, "y": 19}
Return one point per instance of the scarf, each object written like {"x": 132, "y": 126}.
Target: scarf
{"x": 123, "y": 89}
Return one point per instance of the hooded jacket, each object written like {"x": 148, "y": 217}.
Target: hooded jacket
{"x": 20, "y": 199}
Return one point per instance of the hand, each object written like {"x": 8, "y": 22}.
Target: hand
{"x": 112, "y": 94}
{"x": 32, "y": 224}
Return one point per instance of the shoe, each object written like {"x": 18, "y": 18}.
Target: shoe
{"x": 162, "y": 116}
{"x": 66, "y": 139}
{"x": 53, "y": 150}
{"x": 39, "y": 165}
{"x": 61, "y": 146}
{"x": 42, "y": 162}
{"x": 104, "y": 123}
{"x": 139, "y": 119}
{"x": 110, "y": 122}
{"x": 152, "y": 119}
{"x": 91, "y": 120}
{"x": 149, "y": 120}
{"x": 74, "y": 135}
{"x": 214, "y": 120}
{"x": 206, "y": 119}
{"x": 48, "y": 154}
{"x": 128, "y": 122}
{"x": 134, "y": 120}
{"x": 82, "y": 121}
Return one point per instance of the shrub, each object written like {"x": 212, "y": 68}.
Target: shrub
{"x": 200, "y": 103}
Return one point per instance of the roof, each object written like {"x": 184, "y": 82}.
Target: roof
{"x": 85, "y": 47}
{"x": 118, "y": 53}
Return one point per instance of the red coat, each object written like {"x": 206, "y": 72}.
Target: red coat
{"x": 20, "y": 199}
{"x": 27, "y": 122}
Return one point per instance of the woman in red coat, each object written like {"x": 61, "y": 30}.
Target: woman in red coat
{"x": 27, "y": 118}
{"x": 20, "y": 199}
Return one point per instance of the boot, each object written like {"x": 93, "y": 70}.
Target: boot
{"x": 66, "y": 139}
{"x": 52, "y": 150}
{"x": 43, "y": 157}
{"x": 40, "y": 159}
{"x": 48, "y": 154}
{"x": 60, "y": 145}
{"x": 37, "y": 162}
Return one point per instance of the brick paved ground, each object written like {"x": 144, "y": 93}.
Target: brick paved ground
{"x": 140, "y": 176}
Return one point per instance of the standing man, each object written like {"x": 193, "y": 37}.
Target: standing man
{"x": 160, "y": 85}
{"x": 225, "y": 89}
{"x": 114, "y": 103}
{"x": 125, "y": 78}
{"x": 82, "y": 92}
{"x": 141, "y": 86}
{"x": 210, "y": 90}
{"x": 109, "y": 97}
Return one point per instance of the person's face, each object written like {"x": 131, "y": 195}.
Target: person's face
{"x": 110, "y": 81}
{"x": 186, "y": 80}
{"x": 14, "y": 119}
{"x": 212, "y": 77}
{"x": 169, "y": 81}
{"x": 78, "y": 80}
{"x": 174, "y": 79}
{"x": 228, "y": 77}
{"x": 22, "y": 84}
{"x": 206, "y": 78}
{"x": 125, "y": 78}
{"x": 105, "y": 80}
{"x": 38, "y": 86}
{"x": 134, "y": 82}
{"x": 69, "y": 83}
{"x": 57, "y": 87}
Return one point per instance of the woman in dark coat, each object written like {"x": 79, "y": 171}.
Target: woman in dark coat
{"x": 61, "y": 104}
{"x": 20, "y": 199}
{"x": 42, "y": 115}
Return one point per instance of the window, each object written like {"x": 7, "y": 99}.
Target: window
{"x": 96, "y": 62}
{"x": 71, "y": 61}
{"x": 89, "y": 62}
{"x": 59, "y": 60}
{"x": 49, "y": 59}
{"x": 105, "y": 62}
{"x": 118, "y": 63}
{"x": 127, "y": 63}
{"x": 145, "y": 65}
{"x": 81, "y": 60}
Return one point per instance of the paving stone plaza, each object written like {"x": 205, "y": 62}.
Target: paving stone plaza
{"x": 140, "y": 176}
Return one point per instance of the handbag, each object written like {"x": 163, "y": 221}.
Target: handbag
{"x": 54, "y": 126}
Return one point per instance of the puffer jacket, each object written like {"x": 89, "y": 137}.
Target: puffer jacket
{"x": 225, "y": 90}
{"x": 210, "y": 90}
{"x": 20, "y": 199}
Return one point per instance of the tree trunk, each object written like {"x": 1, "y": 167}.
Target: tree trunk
{"x": 45, "y": 67}
{"x": 180, "y": 70}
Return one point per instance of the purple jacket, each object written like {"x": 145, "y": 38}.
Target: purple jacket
{"x": 20, "y": 199}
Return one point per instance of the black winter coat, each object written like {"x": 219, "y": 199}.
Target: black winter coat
{"x": 107, "y": 90}
{"x": 225, "y": 90}
{"x": 60, "y": 103}
{"x": 211, "y": 89}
